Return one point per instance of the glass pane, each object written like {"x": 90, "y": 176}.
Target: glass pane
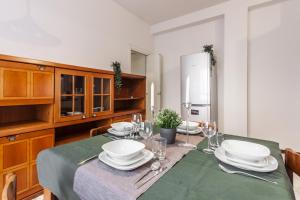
{"x": 79, "y": 84}
{"x": 79, "y": 105}
{"x": 97, "y": 85}
{"x": 106, "y": 103}
{"x": 66, "y": 106}
{"x": 97, "y": 104}
{"x": 106, "y": 86}
{"x": 66, "y": 84}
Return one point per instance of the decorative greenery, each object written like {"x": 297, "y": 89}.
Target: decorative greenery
{"x": 118, "y": 74}
{"x": 168, "y": 119}
{"x": 210, "y": 49}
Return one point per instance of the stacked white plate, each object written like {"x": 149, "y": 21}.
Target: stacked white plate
{"x": 246, "y": 155}
{"x": 193, "y": 128}
{"x": 125, "y": 154}
{"x": 120, "y": 128}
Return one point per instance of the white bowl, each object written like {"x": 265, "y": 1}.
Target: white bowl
{"x": 122, "y": 126}
{"x": 192, "y": 125}
{"x": 123, "y": 149}
{"x": 246, "y": 150}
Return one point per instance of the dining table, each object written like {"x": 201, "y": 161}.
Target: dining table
{"x": 196, "y": 176}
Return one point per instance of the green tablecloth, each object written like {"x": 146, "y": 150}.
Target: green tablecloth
{"x": 195, "y": 177}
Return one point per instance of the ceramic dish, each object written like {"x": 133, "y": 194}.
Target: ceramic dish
{"x": 272, "y": 162}
{"x": 103, "y": 157}
{"x": 118, "y": 133}
{"x": 123, "y": 149}
{"x": 192, "y": 125}
{"x": 122, "y": 126}
{"x": 191, "y": 132}
{"x": 246, "y": 150}
{"x": 135, "y": 159}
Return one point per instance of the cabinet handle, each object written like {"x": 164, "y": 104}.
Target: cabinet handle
{"x": 41, "y": 68}
{"x": 94, "y": 115}
{"x": 11, "y": 138}
{"x": 83, "y": 116}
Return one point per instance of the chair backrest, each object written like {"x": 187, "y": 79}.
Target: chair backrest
{"x": 10, "y": 188}
{"x": 292, "y": 163}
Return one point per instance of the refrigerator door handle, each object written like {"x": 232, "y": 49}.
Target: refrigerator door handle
{"x": 200, "y": 105}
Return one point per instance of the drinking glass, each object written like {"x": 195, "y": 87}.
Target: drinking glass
{"x": 159, "y": 148}
{"x": 136, "y": 121}
{"x": 146, "y": 131}
{"x": 217, "y": 140}
{"x": 209, "y": 130}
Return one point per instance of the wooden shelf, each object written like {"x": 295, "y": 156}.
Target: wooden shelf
{"x": 72, "y": 138}
{"x": 13, "y": 128}
{"x": 127, "y": 112}
{"x": 128, "y": 98}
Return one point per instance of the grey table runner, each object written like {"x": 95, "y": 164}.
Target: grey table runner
{"x": 97, "y": 181}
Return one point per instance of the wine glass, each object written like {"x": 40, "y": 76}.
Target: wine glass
{"x": 146, "y": 131}
{"x": 209, "y": 130}
{"x": 136, "y": 120}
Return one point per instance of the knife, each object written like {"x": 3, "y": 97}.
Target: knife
{"x": 151, "y": 177}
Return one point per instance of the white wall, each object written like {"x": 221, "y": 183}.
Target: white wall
{"x": 274, "y": 73}
{"x": 88, "y": 33}
{"x": 171, "y": 45}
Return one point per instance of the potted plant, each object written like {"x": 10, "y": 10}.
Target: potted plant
{"x": 118, "y": 75}
{"x": 167, "y": 121}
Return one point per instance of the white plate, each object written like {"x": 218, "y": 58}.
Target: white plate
{"x": 192, "y": 125}
{"x": 246, "y": 150}
{"x": 118, "y": 133}
{"x": 272, "y": 162}
{"x": 260, "y": 163}
{"x": 147, "y": 158}
{"x": 135, "y": 159}
{"x": 191, "y": 132}
{"x": 123, "y": 149}
{"x": 122, "y": 126}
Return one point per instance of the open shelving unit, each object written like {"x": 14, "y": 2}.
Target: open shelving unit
{"x": 131, "y": 97}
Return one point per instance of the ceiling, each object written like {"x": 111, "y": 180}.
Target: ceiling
{"x": 154, "y": 11}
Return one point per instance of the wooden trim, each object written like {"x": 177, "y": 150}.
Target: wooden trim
{"x": 52, "y": 64}
{"x": 48, "y": 195}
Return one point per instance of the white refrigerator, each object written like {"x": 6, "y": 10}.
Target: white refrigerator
{"x": 203, "y": 87}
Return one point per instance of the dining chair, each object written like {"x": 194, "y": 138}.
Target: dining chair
{"x": 10, "y": 188}
{"x": 292, "y": 163}
{"x": 98, "y": 130}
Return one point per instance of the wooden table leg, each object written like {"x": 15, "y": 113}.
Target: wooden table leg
{"x": 48, "y": 195}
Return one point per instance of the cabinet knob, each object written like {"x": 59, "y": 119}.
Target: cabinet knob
{"x": 12, "y": 138}
{"x": 83, "y": 116}
{"x": 94, "y": 115}
{"x": 41, "y": 68}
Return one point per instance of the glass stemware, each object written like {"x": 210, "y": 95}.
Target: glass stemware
{"x": 146, "y": 131}
{"x": 136, "y": 121}
{"x": 209, "y": 130}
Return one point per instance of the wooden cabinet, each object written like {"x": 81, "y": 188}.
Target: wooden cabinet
{"x": 23, "y": 83}
{"x": 19, "y": 157}
{"x": 71, "y": 89}
{"x": 82, "y": 95}
{"x": 102, "y": 94}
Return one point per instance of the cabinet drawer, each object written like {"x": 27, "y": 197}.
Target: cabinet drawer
{"x": 38, "y": 144}
{"x": 15, "y": 83}
{"x": 34, "y": 181}
{"x": 42, "y": 84}
{"x": 14, "y": 154}
{"x": 22, "y": 174}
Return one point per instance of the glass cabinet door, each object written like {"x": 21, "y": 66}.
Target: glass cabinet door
{"x": 101, "y": 95}
{"x": 72, "y": 95}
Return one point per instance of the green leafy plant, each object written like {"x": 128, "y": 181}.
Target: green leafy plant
{"x": 168, "y": 119}
{"x": 210, "y": 49}
{"x": 118, "y": 74}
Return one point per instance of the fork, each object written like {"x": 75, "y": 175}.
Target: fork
{"x": 245, "y": 174}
